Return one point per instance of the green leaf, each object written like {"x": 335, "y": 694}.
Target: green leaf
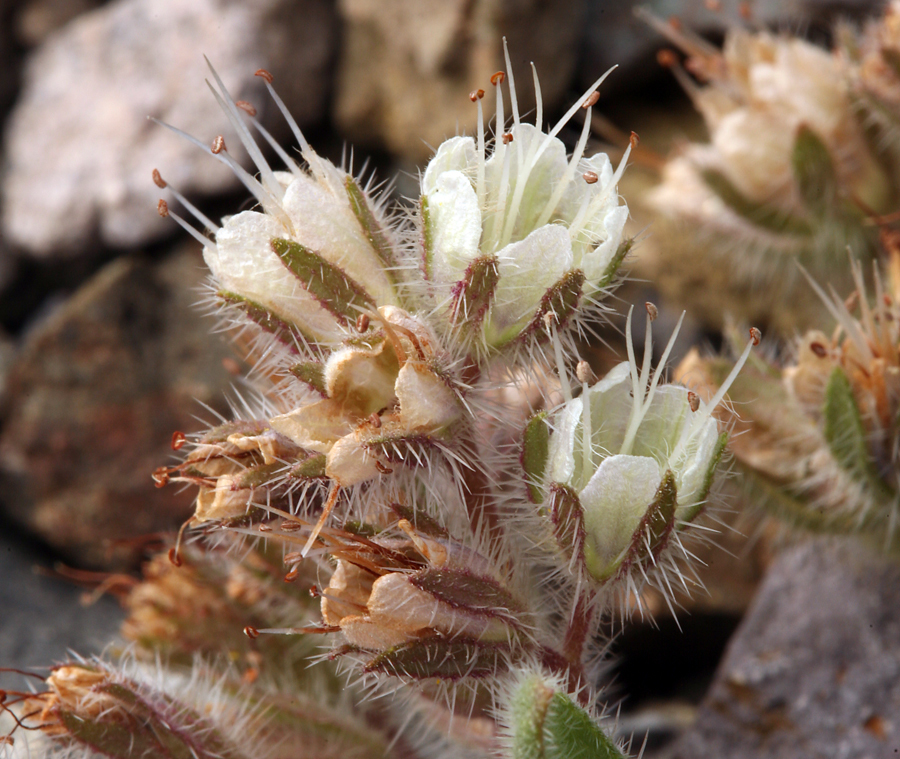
{"x": 621, "y": 252}
{"x": 335, "y": 291}
{"x": 814, "y": 172}
{"x": 760, "y": 214}
{"x": 846, "y": 435}
{"x": 535, "y": 450}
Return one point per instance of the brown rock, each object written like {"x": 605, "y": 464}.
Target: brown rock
{"x": 407, "y": 66}
{"x": 93, "y": 400}
{"x": 79, "y": 150}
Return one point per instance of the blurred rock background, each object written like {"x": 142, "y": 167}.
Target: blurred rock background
{"x": 102, "y": 354}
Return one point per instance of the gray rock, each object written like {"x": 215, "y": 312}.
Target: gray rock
{"x": 407, "y": 66}
{"x": 93, "y": 400}
{"x": 814, "y": 670}
{"x": 79, "y": 150}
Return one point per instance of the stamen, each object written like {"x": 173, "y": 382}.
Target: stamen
{"x": 839, "y": 311}
{"x": 479, "y": 182}
{"x": 289, "y": 162}
{"x": 550, "y": 325}
{"x": 583, "y": 371}
{"x": 164, "y": 211}
{"x": 326, "y": 512}
{"x": 514, "y": 103}
{"x": 196, "y": 212}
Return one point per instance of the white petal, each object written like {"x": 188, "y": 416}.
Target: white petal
{"x": 426, "y": 403}
{"x": 455, "y": 154}
{"x": 454, "y": 228}
{"x": 561, "y": 458}
{"x": 692, "y": 469}
{"x": 614, "y": 502}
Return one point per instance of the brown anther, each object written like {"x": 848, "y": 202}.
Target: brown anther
{"x": 590, "y": 177}
{"x": 383, "y": 468}
{"x": 293, "y": 557}
{"x": 591, "y": 100}
{"x": 162, "y": 208}
{"x": 160, "y": 476}
{"x": 175, "y": 557}
{"x": 633, "y": 140}
{"x": 507, "y": 138}
{"x": 7, "y": 740}
{"x": 675, "y": 23}
{"x": 476, "y": 95}
{"x": 251, "y": 632}
{"x": 362, "y": 323}
{"x": 2, "y": 696}
{"x": 231, "y": 366}
{"x": 264, "y": 528}
{"x": 250, "y": 676}
{"x": 888, "y": 300}
{"x": 292, "y": 575}
{"x": 820, "y": 350}
{"x": 314, "y": 591}
{"x": 745, "y": 10}
{"x": 498, "y": 78}
{"x": 158, "y": 180}
{"x": 667, "y": 58}
{"x": 652, "y": 311}
{"x": 218, "y": 145}
{"x": 693, "y": 400}
{"x": 584, "y": 373}
{"x": 755, "y": 335}
{"x": 375, "y": 420}
{"x": 265, "y": 75}
{"x": 290, "y": 527}
{"x": 178, "y": 440}
{"x": 549, "y": 319}
{"x": 246, "y": 107}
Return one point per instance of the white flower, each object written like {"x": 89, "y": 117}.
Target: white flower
{"x": 501, "y": 231}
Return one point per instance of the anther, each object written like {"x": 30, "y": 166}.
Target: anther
{"x": 292, "y": 575}
{"x": 218, "y": 145}
{"x": 652, "y": 311}
{"x": 162, "y": 208}
{"x": 755, "y": 335}
{"x": 375, "y": 420}
{"x": 667, "y": 58}
{"x": 362, "y": 322}
{"x": 178, "y": 440}
{"x": 592, "y": 100}
{"x": 265, "y": 75}
{"x": 175, "y": 557}
{"x": 633, "y": 140}
{"x": 820, "y": 350}
{"x": 290, "y": 526}
{"x": 675, "y": 23}
{"x": 158, "y": 180}
{"x": 383, "y": 468}
{"x": 549, "y": 319}
{"x": 498, "y": 78}
{"x": 590, "y": 177}
{"x": 584, "y": 373}
{"x": 746, "y": 11}
{"x": 314, "y": 591}
{"x": 476, "y": 95}
{"x": 693, "y": 400}
{"x": 160, "y": 476}
{"x": 246, "y": 107}
{"x": 264, "y": 528}
{"x": 251, "y": 632}
{"x": 507, "y": 138}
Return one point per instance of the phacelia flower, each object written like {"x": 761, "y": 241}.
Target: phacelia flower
{"x": 519, "y": 231}
{"x": 619, "y": 470}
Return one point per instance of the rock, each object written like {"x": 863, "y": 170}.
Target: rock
{"x": 407, "y": 66}
{"x": 814, "y": 670}
{"x": 79, "y": 150}
{"x": 37, "y": 19}
{"x": 92, "y": 402}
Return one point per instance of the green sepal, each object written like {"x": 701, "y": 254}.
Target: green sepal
{"x": 535, "y": 451}
{"x": 311, "y": 468}
{"x": 335, "y": 291}
{"x": 222, "y": 432}
{"x": 259, "y": 476}
{"x": 410, "y": 449}
{"x": 567, "y": 516}
{"x": 762, "y": 215}
{"x": 312, "y": 374}
{"x": 463, "y": 590}
{"x": 359, "y": 203}
{"x": 691, "y": 513}
{"x": 814, "y": 172}
{"x": 621, "y": 252}
{"x": 473, "y": 294}
{"x": 424, "y": 523}
{"x": 427, "y": 238}
{"x": 846, "y": 435}
{"x": 570, "y": 733}
{"x": 285, "y": 333}
{"x": 561, "y": 300}
{"x": 444, "y": 658}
